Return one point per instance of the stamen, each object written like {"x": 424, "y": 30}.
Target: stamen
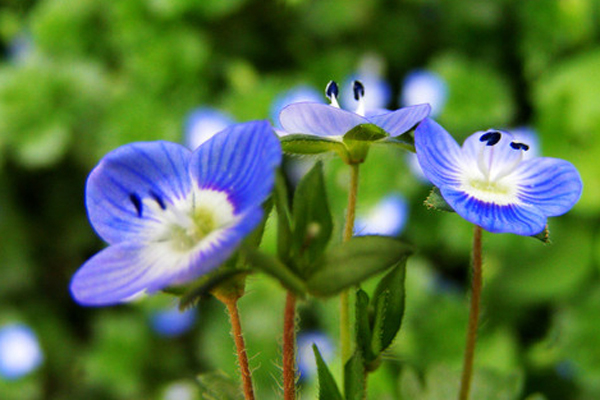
{"x": 137, "y": 203}
{"x": 359, "y": 90}
{"x": 519, "y": 146}
{"x": 491, "y": 137}
{"x": 158, "y": 200}
{"x": 332, "y": 91}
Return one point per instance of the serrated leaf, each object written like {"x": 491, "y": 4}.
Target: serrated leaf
{"x": 284, "y": 229}
{"x": 218, "y": 386}
{"x": 354, "y": 377}
{"x": 352, "y": 262}
{"x": 435, "y": 201}
{"x": 363, "y": 325}
{"x": 388, "y": 303}
{"x": 272, "y": 266}
{"x": 312, "y": 219}
{"x": 328, "y": 389}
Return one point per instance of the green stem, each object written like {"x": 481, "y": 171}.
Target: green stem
{"x": 344, "y": 297}
{"x": 465, "y": 383}
{"x": 289, "y": 350}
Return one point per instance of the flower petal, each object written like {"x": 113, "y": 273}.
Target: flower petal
{"x": 438, "y": 153}
{"x": 493, "y": 162}
{"x": 240, "y": 161}
{"x": 519, "y": 219}
{"x": 318, "y": 119}
{"x": 397, "y": 122}
{"x": 127, "y": 180}
{"x": 552, "y": 185}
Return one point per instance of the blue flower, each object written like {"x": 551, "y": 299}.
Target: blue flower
{"x": 172, "y": 322}
{"x": 294, "y": 95}
{"x": 388, "y": 217}
{"x": 489, "y": 183}
{"x": 202, "y": 124}
{"x": 332, "y": 122}
{"x": 20, "y": 351}
{"x": 422, "y": 86}
{"x": 171, "y": 215}
{"x": 307, "y": 364}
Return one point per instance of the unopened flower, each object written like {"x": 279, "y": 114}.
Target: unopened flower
{"x": 488, "y": 182}
{"x": 171, "y": 215}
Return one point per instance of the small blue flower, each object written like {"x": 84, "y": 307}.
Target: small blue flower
{"x": 173, "y": 322}
{"x": 20, "y": 351}
{"x": 296, "y": 94}
{"x": 333, "y": 122}
{"x": 307, "y": 365}
{"x": 388, "y": 217}
{"x": 422, "y": 86}
{"x": 489, "y": 183}
{"x": 202, "y": 124}
{"x": 171, "y": 215}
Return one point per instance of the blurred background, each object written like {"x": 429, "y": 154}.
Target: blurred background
{"x": 79, "y": 78}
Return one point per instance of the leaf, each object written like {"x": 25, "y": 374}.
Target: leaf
{"x": 312, "y": 219}
{"x": 284, "y": 229}
{"x": 435, "y": 201}
{"x": 363, "y": 325}
{"x": 388, "y": 302}
{"x": 328, "y": 389}
{"x": 352, "y": 262}
{"x": 354, "y": 377}
{"x": 218, "y": 386}
{"x": 272, "y": 266}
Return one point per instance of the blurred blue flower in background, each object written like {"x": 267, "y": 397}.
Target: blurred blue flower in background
{"x": 20, "y": 351}
{"x": 171, "y": 215}
{"x": 333, "y": 122}
{"x": 378, "y": 92}
{"x": 490, "y": 184}
{"x": 388, "y": 217}
{"x": 422, "y": 86}
{"x": 202, "y": 124}
{"x": 307, "y": 365}
{"x": 297, "y": 94}
{"x": 172, "y": 322}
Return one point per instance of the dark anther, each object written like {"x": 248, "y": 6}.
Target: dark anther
{"x": 491, "y": 137}
{"x": 137, "y": 203}
{"x": 332, "y": 90}
{"x": 159, "y": 200}
{"x": 519, "y": 146}
{"x": 359, "y": 90}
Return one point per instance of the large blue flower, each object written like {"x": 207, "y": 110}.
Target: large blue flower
{"x": 171, "y": 215}
{"x": 489, "y": 183}
{"x": 331, "y": 121}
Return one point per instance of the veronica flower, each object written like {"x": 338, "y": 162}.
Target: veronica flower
{"x": 488, "y": 182}
{"x": 422, "y": 86}
{"x": 171, "y": 215}
{"x": 203, "y": 123}
{"x": 332, "y": 123}
{"x": 387, "y": 217}
{"x": 20, "y": 351}
{"x": 307, "y": 364}
{"x": 294, "y": 95}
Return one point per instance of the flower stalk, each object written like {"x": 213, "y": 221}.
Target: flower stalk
{"x": 476, "y": 285}
{"x": 289, "y": 348}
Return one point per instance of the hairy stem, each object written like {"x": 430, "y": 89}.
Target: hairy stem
{"x": 289, "y": 348}
{"x": 345, "y": 342}
{"x": 476, "y": 283}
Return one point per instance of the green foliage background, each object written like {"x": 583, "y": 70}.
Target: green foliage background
{"x": 79, "y": 78}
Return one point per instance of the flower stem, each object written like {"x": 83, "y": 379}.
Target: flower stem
{"x": 344, "y": 297}
{"x": 289, "y": 353}
{"x": 476, "y": 282}
{"x": 236, "y": 331}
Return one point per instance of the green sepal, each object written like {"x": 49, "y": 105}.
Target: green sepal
{"x": 388, "y": 305}
{"x": 217, "y": 385}
{"x": 435, "y": 201}
{"x": 543, "y": 236}
{"x": 354, "y": 377}
{"x": 221, "y": 277}
{"x": 405, "y": 141}
{"x": 272, "y": 266}
{"x": 312, "y": 144}
{"x": 351, "y": 262}
{"x": 365, "y": 133}
{"x": 311, "y": 219}
{"x": 363, "y": 325}
{"x": 284, "y": 229}
{"x": 328, "y": 389}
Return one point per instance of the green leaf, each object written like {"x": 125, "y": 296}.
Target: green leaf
{"x": 328, "y": 389}
{"x": 312, "y": 219}
{"x": 363, "y": 325}
{"x": 388, "y": 302}
{"x": 272, "y": 266}
{"x": 435, "y": 201}
{"x": 218, "y": 386}
{"x": 354, "y": 377}
{"x": 351, "y": 262}
{"x": 284, "y": 229}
